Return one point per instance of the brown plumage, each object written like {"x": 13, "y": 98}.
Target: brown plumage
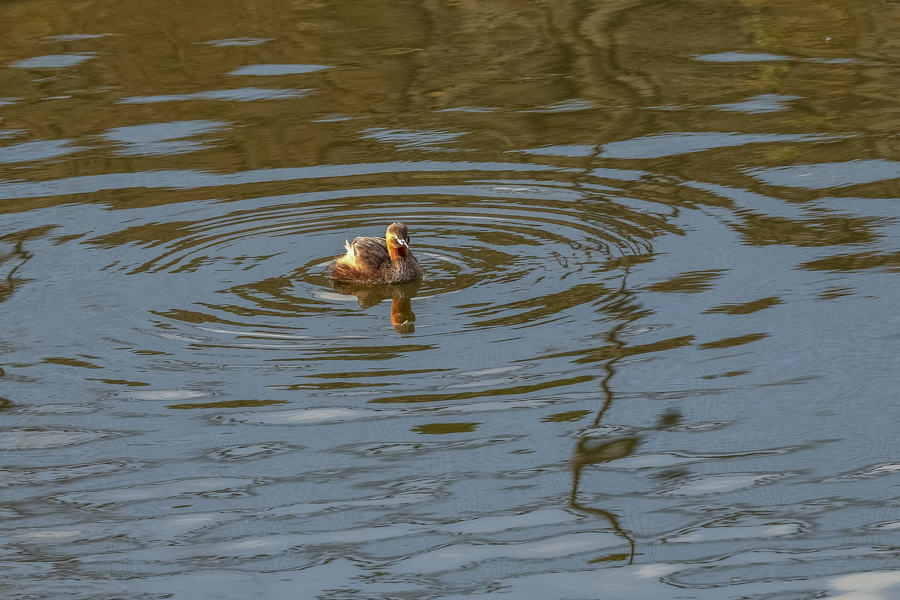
{"x": 374, "y": 260}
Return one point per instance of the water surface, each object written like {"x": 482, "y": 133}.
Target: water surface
{"x": 652, "y": 357}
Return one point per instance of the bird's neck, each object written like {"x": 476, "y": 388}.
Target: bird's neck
{"x": 397, "y": 251}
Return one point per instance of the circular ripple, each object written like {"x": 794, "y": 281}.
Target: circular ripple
{"x": 495, "y": 256}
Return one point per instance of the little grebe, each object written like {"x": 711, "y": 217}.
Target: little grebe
{"x": 374, "y": 260}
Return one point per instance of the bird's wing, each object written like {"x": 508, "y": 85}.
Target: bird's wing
{"x": 369, "y": 252}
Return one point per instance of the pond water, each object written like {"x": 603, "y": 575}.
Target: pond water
{"x": 652, "y": 356}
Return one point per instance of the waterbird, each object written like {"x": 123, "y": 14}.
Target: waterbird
{"x": 372, "y": 260}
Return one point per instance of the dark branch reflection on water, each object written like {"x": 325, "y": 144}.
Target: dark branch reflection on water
{"x": 652, "y": 356}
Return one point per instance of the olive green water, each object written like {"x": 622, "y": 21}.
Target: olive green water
{"x": 654, "y": 355}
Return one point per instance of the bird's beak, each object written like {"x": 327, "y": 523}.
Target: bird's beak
{"x": 402, "y": 242}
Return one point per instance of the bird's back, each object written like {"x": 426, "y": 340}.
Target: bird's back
{"x": 367, "y": 260}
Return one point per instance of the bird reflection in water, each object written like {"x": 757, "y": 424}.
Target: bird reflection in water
{"x": 402, "y": 317}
